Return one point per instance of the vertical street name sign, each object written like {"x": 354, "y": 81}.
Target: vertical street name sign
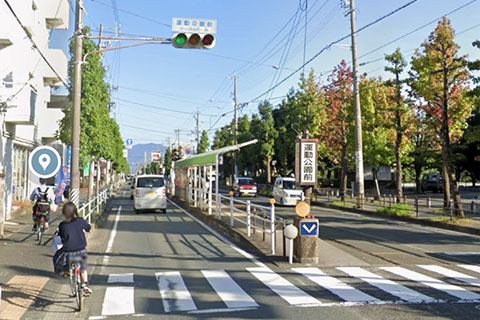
{"x": 306, "y": 155}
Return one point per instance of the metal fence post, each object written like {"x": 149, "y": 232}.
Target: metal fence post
{"x": 416, "y": 206}
{"x": 284, "y": 238}
{"x": 428, "y": 202}
{"x": 231, "y": 210}
{"x": 249, "y": 219}
{"x": 472, "y": 207}
{"x": 272, "y": 227}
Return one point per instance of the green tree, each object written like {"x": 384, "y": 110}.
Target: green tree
{"x": 396, "y": 67}
{"x": 204, "y": 143}
{"x": 440, "y": 79}
{"x": 168, "y": 161}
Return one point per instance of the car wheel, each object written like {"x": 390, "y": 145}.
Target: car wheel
{"x": 282, "y": 202}
{"x": 164, "y": 210}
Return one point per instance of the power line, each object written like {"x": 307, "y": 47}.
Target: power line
{"x": 134, "y": 14}
{"x": 154, "y": 107}
{"x": 335, "y": 42}
{"x": 150, "y": 130}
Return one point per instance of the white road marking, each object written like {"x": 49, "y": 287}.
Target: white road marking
{"x": 220, "y": 237}
{"x": 451, "y": 289}
{"x": 452, "y": 274}
{"x": 175, "y": 295}
{"x": 120, "y": 277}
{"x": 335, "y": 285}
{"x": 462, "y": 253}
{"x": 393, "y": 288}
{"x": 286, "y": 290}
{"x": 118, "y": 301}
{"x": 221, "y": 310}
{"x": 106, "y": 258}
{"x": 228, "y": 290}
{"x": 470, "y": 267}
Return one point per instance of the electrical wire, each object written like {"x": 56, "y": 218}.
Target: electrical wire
{"x": 153, "y": 107}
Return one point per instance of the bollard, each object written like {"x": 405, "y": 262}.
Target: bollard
{"x": 284, "y": 239}
{"x": 272, "y": 225}
{"x": 472, "y": 207}
{"x": 429, "y": 204}
{"x": 249, "y": 220}
{"x": 231, "y": 210}
{"x": 264, "y": 224}
{"x": 404, "y": 199}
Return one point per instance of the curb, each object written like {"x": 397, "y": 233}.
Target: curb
{"x": 429, "y": 223}
{"x": 233, "y": 235}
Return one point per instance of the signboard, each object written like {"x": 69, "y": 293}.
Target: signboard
{"x": 309, "y": 228}
{"x": 44, "y": 162}
{"x": 125, "y": 153}
{"x": 306, "y": 162}
{"x": 156, "y": 156}
{"x": 129, "y": 143}
{"x": 190, "y": 25}
{"x": 384, "y": 173}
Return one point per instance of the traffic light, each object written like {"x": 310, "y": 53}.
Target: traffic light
{"x": 193, "y": 41}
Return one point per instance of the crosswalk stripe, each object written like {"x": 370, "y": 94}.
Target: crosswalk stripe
{"x": 335, "y": 285}
{"x": 393, "y": 288}
{"x": 286, "y": 290}
{"x": 228, "y": 290}
{"x": 451, "y": 289}
{"x": 470, "y": 267}
{"x": 175, "y": 295}
{"x": 119, "y": 300}
{"x": 452, "y": 274}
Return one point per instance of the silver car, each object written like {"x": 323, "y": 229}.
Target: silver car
{"x": 149, "y": 193}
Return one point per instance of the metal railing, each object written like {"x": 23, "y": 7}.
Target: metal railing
{"x": 255, "y": 217}
{"x": 97, "y": 203}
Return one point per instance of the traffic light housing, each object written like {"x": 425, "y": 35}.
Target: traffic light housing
{"x": 193, "y": 41}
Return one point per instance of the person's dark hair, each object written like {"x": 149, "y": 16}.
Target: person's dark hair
{"x": 69, "y": 211}
{"x": 43, "y": 181}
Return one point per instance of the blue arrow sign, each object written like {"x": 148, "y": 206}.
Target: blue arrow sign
{"x": 129, "y": 142}
{"x": 45, "y": 162}
{"x": 309, "y": 228}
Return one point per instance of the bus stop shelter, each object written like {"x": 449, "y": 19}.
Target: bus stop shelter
{"x": 194, "y": 176}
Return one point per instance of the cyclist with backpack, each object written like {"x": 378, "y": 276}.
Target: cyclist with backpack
{"x": 43, "y": 196}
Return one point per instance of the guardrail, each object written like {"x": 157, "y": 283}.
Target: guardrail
{"x": 97, "y": 203}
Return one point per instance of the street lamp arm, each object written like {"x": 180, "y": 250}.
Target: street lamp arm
{"x": 123, "y": 47}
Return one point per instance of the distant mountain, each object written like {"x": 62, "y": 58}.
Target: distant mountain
{"x": 139, "y": 151}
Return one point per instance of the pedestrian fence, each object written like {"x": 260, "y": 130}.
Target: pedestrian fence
{"x": 423, "y": 206}
{"x": 255, "y": 217}
{"x": 98, "y": 202}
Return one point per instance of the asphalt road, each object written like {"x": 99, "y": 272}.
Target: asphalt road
{"x": 168, "y": 266}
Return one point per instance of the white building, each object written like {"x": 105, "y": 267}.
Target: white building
{"x": 29, "y": 73}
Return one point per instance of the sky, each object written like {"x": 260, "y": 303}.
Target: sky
{"x": 261, "y": 41}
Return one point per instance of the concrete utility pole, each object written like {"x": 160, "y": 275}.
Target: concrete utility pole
{"x": 357, "y": 109}
{"x": 77, "y": 95}
{"x": 235, "y": 123}
{"x": 197, "y": 129}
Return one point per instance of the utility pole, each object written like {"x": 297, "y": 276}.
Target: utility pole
{"x": 77, "y": 92}
{"x": 197, "y": 130}
{"x": 177, "y": 132}
{"x": 357, "y": 111}
{"x": 235, "y": 124}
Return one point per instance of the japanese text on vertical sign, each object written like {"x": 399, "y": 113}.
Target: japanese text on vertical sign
{"x": 308, "y": 163}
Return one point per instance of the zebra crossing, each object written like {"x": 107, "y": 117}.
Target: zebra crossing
{"x": 304, "y": 287}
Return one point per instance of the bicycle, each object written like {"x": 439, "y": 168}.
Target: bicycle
{"x": 76, "y": 280}
{"x": 42, "y": 219}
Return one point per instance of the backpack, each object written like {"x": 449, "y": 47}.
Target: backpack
{"x": 43, "y": 205}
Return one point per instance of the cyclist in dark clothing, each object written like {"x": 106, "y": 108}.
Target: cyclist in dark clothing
{"x": 71, "y": 230}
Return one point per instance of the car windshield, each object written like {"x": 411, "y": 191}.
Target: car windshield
{"x": 289, "y": 185}
{"x": 150, "y": 182}
{"x": 245, "y": 181}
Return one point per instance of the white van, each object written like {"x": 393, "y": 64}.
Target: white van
{"x": 149, "y": 193}
{"x": 285, "y": 192}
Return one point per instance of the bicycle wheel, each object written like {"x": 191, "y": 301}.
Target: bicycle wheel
{"x": 40, "y": 233}
{"x": 79, "y": 294}
{"x": 72, "y": 280}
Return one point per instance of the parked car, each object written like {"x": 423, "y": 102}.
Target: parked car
{"x": 432, "y": 182}
{"x": 286, "y": 192}
{"x": 244, "y": 186}
{"x": 150, "y": 193}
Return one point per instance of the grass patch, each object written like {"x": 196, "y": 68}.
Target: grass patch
{"x": 397, "y": 209}
{"x": 456, "y": 221}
